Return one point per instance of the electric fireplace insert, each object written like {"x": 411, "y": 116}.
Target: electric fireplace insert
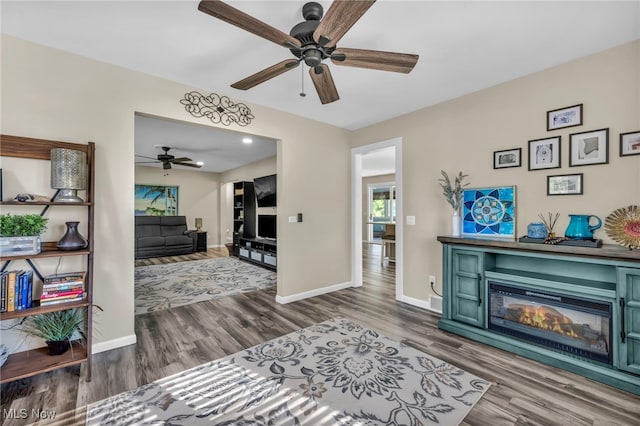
{"x": 576, "y": 326}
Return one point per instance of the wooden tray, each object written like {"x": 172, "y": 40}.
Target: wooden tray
{"x": 575, "y": 243}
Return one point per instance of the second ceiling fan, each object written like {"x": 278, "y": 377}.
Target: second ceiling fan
{"x": 313, "y": 41}
{"x": 167, "y": 159}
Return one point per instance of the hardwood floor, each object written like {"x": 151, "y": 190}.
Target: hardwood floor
{"x": 524, "y": 392}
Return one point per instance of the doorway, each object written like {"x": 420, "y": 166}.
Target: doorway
{"x": 364, "y": 159}
{"x": 381, "y": 207}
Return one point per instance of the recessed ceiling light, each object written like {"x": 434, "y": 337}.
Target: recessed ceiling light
{"x": 247, "y": 140}
{"x": 199, "y": 163}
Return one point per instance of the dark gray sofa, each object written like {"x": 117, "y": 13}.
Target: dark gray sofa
{"x": 163, "y": 236}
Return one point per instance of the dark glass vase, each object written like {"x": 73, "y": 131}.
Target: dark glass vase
{"x": 58, "y": 347}
{"x": 72, "y": 240}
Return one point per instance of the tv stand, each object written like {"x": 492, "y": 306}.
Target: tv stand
{"x": 477, "y": 273}
{"x": 260, "y": 251}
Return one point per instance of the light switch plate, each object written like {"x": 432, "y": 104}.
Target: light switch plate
{"x": 293, "y": 219}
{"x": 411, "y": 220}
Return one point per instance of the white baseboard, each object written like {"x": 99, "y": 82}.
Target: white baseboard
{"x": 430, "y": 305}
{"x": 415, "y": 302}
{"x": 113, "y": 344}
{"x": 317, "y": 292}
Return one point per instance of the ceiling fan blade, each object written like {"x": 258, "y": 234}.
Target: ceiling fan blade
{"x": 323, "y": 81}
{"x": 147, "y": 162}
{"x": 197, "y": 166}
{"x": 233, "y": 16}
{"x": 266, "y": 74}
{"x": 166, "y": 165}
{"x": 339, "y": 18}
{"x": 180, "y": 159}
{"x": 375, "y": 59}
{"x": 144, "y": 156}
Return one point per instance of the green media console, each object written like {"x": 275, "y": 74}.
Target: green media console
{"x": 573, "y": 308}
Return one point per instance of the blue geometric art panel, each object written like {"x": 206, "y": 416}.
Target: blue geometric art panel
{"x": 489, "y": 213}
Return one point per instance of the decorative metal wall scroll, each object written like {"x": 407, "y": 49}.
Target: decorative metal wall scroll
{"x": 218, "y": 109}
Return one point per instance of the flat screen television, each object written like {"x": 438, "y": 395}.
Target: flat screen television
{"x": 265, "y": 188}
{"x": 267, "y": 226}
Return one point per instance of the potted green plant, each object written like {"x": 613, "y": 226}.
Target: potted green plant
{"x": 20, "y": 234}
{"x": 56, "y": 328}
{"x": 453, "y": 192}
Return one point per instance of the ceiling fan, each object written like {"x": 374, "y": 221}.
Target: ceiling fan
{"x": 167, "y": 160}
{"x": 313, "y": 41}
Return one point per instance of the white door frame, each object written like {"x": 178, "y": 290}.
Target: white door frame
{"x": 356, "y": 210}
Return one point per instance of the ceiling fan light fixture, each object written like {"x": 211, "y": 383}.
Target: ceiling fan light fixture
{"x": 312, "y": 57}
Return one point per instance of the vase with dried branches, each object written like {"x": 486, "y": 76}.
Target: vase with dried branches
{"x": 453, "y": 192}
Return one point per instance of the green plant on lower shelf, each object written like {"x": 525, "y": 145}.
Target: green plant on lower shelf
{"x": 27, "y": 225}
{"x": 56, "y": 326}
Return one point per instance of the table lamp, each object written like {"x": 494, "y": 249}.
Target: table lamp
{"x": 68, "y": 174}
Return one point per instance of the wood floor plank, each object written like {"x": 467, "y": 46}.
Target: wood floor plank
{"x": 524, "y": 392}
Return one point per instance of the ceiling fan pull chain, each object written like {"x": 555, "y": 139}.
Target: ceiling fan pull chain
{"x": 302, "y": 94}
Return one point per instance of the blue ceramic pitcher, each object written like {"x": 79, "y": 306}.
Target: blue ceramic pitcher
{"x": 579, "y": 228}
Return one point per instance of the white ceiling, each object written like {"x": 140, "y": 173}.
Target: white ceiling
{"x": 219, "y": 149}
{"x": 379, "y": 162}
{"x": 463, "y": 46}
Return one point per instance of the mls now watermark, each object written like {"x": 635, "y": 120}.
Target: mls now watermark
{"x": 24, "y": 414}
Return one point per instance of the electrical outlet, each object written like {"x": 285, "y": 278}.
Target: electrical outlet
{"x": 432, "y": 280}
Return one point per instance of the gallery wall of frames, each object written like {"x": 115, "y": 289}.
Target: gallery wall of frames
{"x": 586, "y": 148}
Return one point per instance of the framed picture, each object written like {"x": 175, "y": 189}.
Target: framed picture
{"x": 544, "y": 153}
{"x": 630, "y": 143}
{"x": 564, "y": 117}
{"x": 587, "y": 148}
{"x": 489, "y": 213}
{"x": 156, "y": 200}
{"x": 507, "y": 158}
{"x": 564, "y": 184}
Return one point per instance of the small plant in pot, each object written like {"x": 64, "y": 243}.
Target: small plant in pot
{"x": 56, "y": 328}
{"x": 20, "y": 234}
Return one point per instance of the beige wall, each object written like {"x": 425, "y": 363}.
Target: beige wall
{"x": 463, "y": 133}
{"x": 198, "y": 195}
{"x": 50, "y": 94}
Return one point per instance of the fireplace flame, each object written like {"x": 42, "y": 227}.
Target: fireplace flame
{"x": 545, "y": 318}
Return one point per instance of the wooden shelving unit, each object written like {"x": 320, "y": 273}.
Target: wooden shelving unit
{"x": 244, "y": 213}
{"x": 24, "y": 364}
{"x": 21, "y": 365}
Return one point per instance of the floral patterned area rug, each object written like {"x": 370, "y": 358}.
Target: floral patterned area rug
{"x": 166, "y": 286}
{"x": 333, "y": 373}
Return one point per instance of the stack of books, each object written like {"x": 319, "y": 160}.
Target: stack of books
{"x": 62, "y": 288}
{"x": 16, "y": 290}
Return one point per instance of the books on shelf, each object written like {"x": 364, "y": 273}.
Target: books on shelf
{"x": 62, "y": 288}
{"x": 16, "y": 289}
{"x": 68, "y": 277}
